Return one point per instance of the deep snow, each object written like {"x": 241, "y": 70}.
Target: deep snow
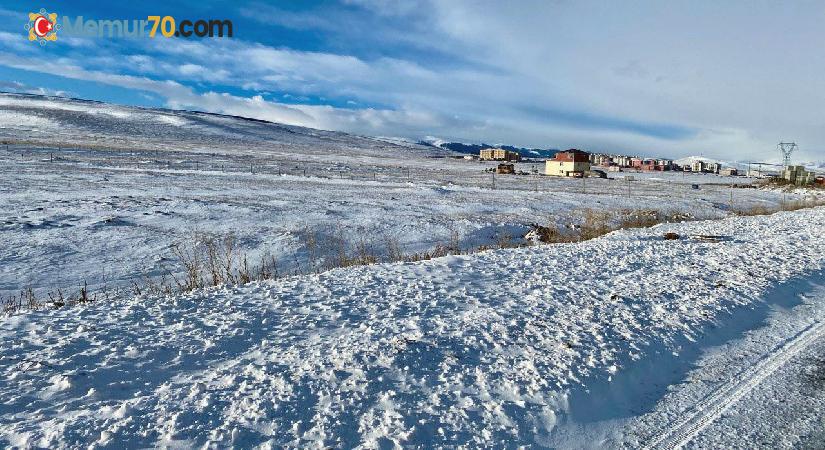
{"x": 488, "y": 349}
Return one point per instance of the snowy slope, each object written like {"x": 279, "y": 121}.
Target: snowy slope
{"x": 476, "y": 350}
{"x": 72, "y": 122}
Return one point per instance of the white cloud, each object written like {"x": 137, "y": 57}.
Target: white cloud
{"x": 667, "y": 79}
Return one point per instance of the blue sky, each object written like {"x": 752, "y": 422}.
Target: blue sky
{"x": 660, "y": 78}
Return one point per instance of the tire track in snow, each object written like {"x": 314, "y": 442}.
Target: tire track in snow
{"x": 717, "y": 402}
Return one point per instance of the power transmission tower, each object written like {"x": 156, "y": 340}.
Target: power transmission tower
{"x": 786, "y": 148}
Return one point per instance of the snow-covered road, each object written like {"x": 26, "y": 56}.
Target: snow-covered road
{"x": 741, "y": 384}
{"x": 765, "y": 389}
{"x": 486, "y": 349}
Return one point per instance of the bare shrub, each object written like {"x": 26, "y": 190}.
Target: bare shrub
{"x": 757, "y": 210}
{"x": 393, "y": 248}
{"x": 549, "y": 234}
{"x": 594, "y": 224}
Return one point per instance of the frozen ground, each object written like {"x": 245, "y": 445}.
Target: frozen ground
{"x": 502, "y": 347}
{"x": 97, "y": 193}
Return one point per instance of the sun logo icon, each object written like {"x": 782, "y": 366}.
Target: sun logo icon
{"x": 42, "y": 26}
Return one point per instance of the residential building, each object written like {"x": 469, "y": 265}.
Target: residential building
{"x": 498, "y": 154}
{"x": 729, "y": 171}
{"x": 601, "y": 159}
{"x": 569, "y": 163}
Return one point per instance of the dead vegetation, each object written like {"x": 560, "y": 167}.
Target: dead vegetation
{"x": 786, "y": 205}
{"x": 28, "y": 300}
{"x": 208, "y": 260}
{"x": 596, "y": 223}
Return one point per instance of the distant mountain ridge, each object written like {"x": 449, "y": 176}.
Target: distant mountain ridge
{"x": 473, "y": 149}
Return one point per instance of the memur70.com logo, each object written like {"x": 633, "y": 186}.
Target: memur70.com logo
{"x": 43, "y": 27}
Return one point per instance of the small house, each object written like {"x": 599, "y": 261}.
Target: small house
{"x": 504, "y": 168}
{"x": 569, "y": 163}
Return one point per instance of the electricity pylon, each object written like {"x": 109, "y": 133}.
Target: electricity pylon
{"x": 786, "y": 148}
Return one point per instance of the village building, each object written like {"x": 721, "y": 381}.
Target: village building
{"x": 569, "y": 163}
{"x": 729, "y": 171}
{"x": 505, "y": 168}
{"x": 622, "y": 160}
{"x": 498, "y": 154}
{"x": 601, "y": 159}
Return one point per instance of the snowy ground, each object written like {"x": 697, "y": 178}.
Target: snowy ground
{"x": 97, "y": 193}
{"x": 616, "y": 341}
{"x": 502, "y": 347}
{"x": 755, "y": 380}
{"x": 781, "y": 407}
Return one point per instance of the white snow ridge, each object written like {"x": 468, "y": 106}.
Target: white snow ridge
{"x": 488, "y": 350}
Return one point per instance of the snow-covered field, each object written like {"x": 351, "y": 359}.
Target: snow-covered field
{"x": 487, "y": 349}
{"x": 565, "y": 345}
{"x": 98, "y": 193}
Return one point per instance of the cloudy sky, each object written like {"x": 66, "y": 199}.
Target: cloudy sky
{"x": 719, "y": 79}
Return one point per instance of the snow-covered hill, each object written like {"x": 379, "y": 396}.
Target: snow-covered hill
{"x": 483, "y": 350}
{"x": 59, "y": 121}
